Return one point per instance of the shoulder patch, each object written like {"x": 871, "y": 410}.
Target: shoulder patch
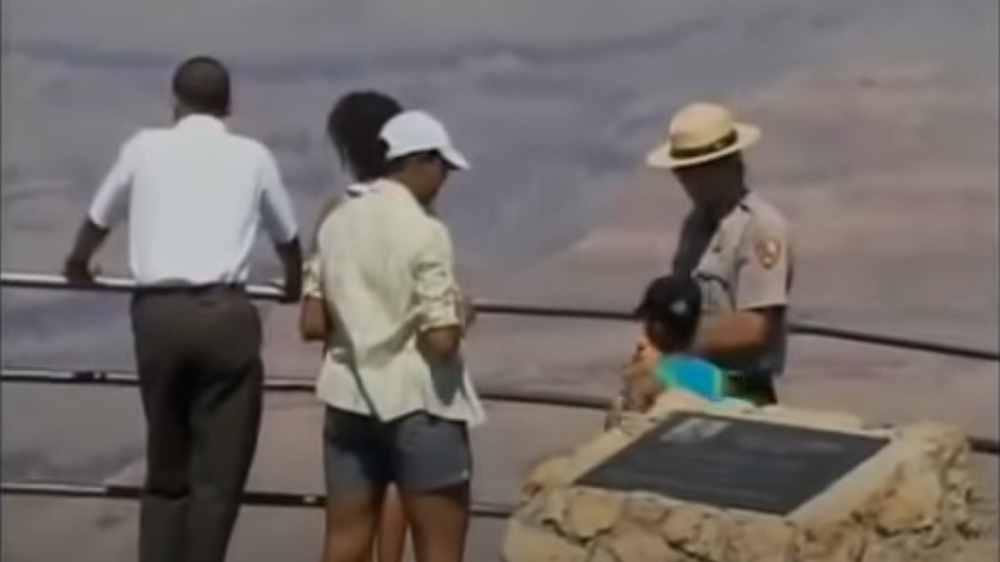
{"x": 768, "y": 252}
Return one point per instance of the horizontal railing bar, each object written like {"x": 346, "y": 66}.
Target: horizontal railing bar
{"x": 982, "y": 445}
{"x": 251, "y": 498}
{"x": 105, "y": 285}
{"x": 288, "y": 384}
{"x": 794, "y": 327}
{"x": 882, "y": 340}
{"x": 272, "y": 293}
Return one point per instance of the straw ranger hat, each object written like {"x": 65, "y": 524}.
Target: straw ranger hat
{"x": 699, "y": 133}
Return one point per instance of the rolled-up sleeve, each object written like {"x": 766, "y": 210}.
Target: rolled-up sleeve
{"x": 312, "y": 278}
{"x": 437, "y": 295}
{"x": 276, "y": 206}
{"x": 110, "y": 202}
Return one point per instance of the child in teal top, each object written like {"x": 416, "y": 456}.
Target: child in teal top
{"x": 692, "y": 374}
{"x": 669, "y": 312}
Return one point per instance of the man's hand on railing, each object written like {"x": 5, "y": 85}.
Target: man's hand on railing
{"x": 79, "y": 272}
{"x": 291, "y": 261}
{"x": 77, "y": 268}
{"x": 289, "y": 293}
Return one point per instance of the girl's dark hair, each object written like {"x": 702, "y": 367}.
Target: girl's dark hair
{"x": 353, "y": 126}
{"x": 670, "y": 309}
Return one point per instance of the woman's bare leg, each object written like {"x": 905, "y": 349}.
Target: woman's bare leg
{"x": 392, "y": 529}
{"x": 351, "y": 523}
{"x": 355, "y": 486}
{"x": 433, "y": 471}
{"x": 440, "y": 521}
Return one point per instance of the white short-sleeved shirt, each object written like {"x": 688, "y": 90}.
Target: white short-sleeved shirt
{"x": 195, "y": 195}
{"x": 386, "y": 271}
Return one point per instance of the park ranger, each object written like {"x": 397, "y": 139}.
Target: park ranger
{"x": 735, "y": 244}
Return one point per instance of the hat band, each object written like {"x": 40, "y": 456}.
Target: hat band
{"x": 698, "y": 151}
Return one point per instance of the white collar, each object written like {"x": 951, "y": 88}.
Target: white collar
{"x": 359, "y": 189}
{"x": 397, "y": 190}
{"x": 200, "y": 120}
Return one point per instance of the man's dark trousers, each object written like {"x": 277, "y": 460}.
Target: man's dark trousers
{"x": 201, "y": 379}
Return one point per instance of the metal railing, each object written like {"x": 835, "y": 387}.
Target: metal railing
{"x": 485, "y": 510}
{"x": 294, "y": 385}
{"x": 486, "y": 306}
{"x": 275, "y": 384}
{"x": 983, "y": 445}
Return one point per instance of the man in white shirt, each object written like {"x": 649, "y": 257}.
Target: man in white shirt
{"x": 196, "y": 196}
{"x": 399, "y": 401}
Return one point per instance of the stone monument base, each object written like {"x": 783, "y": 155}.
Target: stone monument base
{"x": 908, "y": 502}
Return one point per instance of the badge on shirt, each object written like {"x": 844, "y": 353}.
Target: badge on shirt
{"x": 768, "y": 252}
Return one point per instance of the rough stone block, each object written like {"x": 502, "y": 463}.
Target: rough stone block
{"x": 908, "y": 501}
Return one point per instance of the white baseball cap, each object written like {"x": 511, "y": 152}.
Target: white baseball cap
{"x": 415, "y": 131}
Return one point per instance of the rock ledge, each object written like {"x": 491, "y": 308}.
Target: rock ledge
{"x": 910, "y": 502}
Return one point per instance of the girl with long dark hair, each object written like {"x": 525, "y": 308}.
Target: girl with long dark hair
{"x": 353, "y": 128}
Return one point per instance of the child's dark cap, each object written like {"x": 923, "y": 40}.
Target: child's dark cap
{"x": 670, "y": 300}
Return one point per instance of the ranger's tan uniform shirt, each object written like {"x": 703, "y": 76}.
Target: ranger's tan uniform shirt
{"x": 386, "y": 271}
{"x": 743, "y": 262}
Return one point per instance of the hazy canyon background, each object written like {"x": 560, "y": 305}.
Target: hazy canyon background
{"x": 880, "y": 122}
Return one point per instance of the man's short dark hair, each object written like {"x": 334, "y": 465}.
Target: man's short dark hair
{"x": 201, "y": 84}
{"x": 673, "y": 305}
{"x": 353, "y": 126}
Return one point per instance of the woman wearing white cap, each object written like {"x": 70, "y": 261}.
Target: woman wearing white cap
{"x": 353, "y": 127}
{"x": 399, "y": 402}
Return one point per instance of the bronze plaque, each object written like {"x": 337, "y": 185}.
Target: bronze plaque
{"x": 733, "y": 463}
